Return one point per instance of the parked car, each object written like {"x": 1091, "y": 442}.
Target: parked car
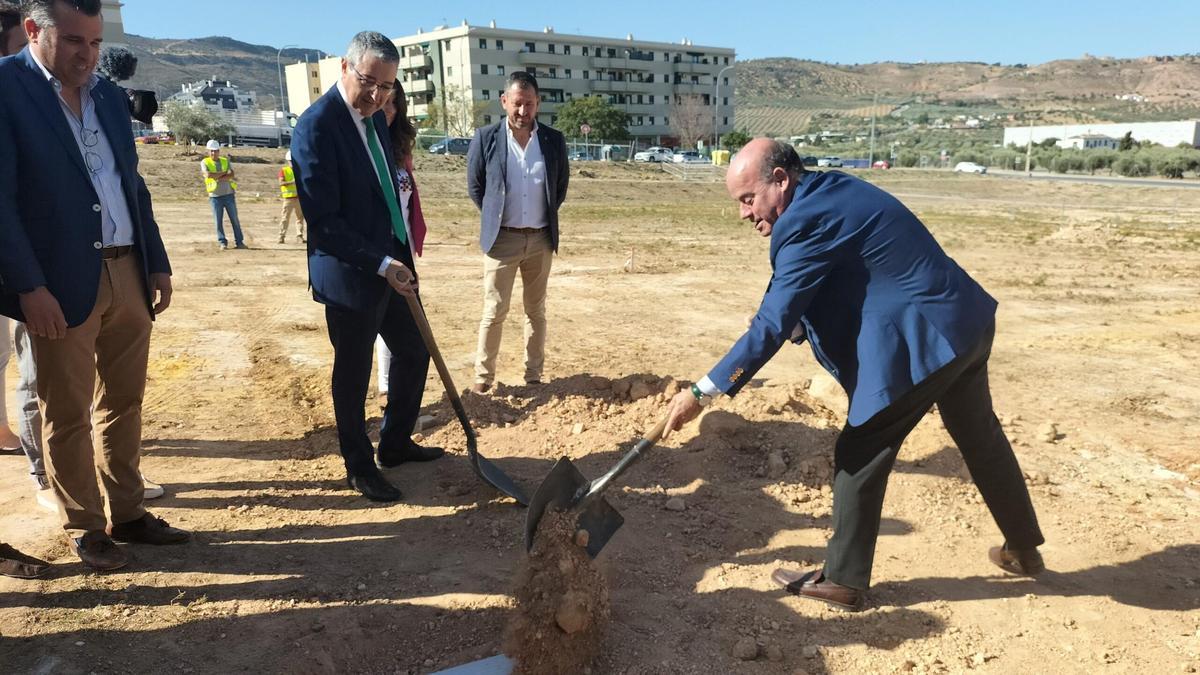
{"x": 689, "y": 157}
{"x": 654, "y": 154}
{"x": 969, "y": 167}
{"x": 451, "y": 146}
{"x": 580, "y": 156}
{"x": 830, "y": 162}
{"x": 881, "y": 164}
{"x": 809, "y": 160}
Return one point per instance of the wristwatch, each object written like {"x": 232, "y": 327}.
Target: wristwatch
{"x": 702, "y": 398}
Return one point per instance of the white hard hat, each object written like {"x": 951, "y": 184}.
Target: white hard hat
{"x": 213, "y": 145}
{"x": 287, "y": 156}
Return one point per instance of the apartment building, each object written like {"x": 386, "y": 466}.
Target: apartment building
{"x": 646, "y": 80}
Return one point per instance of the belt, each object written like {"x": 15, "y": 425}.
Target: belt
{"x": 111, "y": 252}
{"x": 521, "y": 229}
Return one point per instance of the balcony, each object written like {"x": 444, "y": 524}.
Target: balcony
{"x": 415, "y": 62}
{"x": 689, "y": 68}
{"x": 538, "y": 58}
{"x": 690, "y": 88}
{"x": 417, "y": 86}
{"x": 624, "y": 86}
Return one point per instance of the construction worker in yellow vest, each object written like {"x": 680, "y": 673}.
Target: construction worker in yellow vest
{"x": 221, "y": 188}
{"x": 291, "y": 202}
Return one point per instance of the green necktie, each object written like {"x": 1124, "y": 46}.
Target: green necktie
{"x": 385, "y": 182}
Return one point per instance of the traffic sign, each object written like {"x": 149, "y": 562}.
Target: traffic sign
{"x": 585, "y": 129}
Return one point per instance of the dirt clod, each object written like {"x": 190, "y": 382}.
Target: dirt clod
{"x": 746, "y": 649}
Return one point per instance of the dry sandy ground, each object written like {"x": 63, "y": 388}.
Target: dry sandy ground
{"x": 290, "y": 571}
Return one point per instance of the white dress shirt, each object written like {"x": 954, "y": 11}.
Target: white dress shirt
{"x": 116, "y": 225}
{"x": 524, "y": 183}
{"x": 361, "y": 126}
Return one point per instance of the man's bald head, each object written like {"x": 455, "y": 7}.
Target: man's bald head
{"x": 762, "y": 179}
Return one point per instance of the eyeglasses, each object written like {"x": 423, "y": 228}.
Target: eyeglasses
{"x": 370, "y": 83}
{"x": 90, "y": 139}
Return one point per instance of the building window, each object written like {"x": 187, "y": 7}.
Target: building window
{"x": 667, "y": 78}
{"x": 567, "y": 49}
{"x": 500, "y": 45}
{"x": 639, "y": 98}
{"x": 550, "y": 48}
{"x": 726, "y": 122}
{"x": 499, "y": 70}
{"x": 585, "y": 73}
{"x": 553, "y": 120}
{"x": 569, "y": 96}
{"x": 652, "y": 120}
{"x": 316, "y": 90}
{"x": 487, "y": 119}
{"x": 449, "y": 71}
{"x": 652, "y": 101}
{"x": 725, "y": 101}
{"x": 554, "y": 72}
{"x": 666, "y": 56}
{"x": 666, "y": 121}
{"x": 567, "y": 73}
{"x": 483, "y": 43}
{"x": 585, "y": 51}
{"x": 695, "y": 79}
{"x": 487, "y": 95}
{"x": 640, "y": 120}
{"x": 726, "y": 60}
{"x": 612, "y": 53}
{"x": 483, "y": 69}
{"x": 530, "y": 47}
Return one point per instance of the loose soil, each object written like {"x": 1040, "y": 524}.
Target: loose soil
{"x": 1093, "y": 376}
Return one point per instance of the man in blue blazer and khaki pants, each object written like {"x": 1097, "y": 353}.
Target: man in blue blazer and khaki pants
{"x": 899, "y": 324}
{"x": 81, "y": 263}
{"x": 517, "y": 176}
{"x": 360, "y": 263}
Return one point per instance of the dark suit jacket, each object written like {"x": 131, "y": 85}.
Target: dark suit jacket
{"x": 50, "y": 229}
{"x": 487, "y": 161}
{"x": 349, "y": 226}
{"x": 882, "y": 305}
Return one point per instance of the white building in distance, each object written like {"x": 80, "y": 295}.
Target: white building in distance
{"x": 646, "y": 80}
{"x": 1169, "y": 134}
{"x": 1089, "y": 142}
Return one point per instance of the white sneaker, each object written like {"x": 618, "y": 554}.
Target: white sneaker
{"x": 46, "y": 500}
{"x": 153, "y": 490}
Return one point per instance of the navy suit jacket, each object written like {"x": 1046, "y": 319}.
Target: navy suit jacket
{"x": 50, "y": 229}
{"x": 349, "y": 225}
{"x": 487, "y": 166}
{"x": 879, "y": 301}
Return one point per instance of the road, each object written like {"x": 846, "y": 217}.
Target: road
{"x": 1100, "y": 180}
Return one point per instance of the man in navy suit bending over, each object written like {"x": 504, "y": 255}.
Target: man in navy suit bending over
{"x": 359, "y": 260}
{"x": 899, "y": 324}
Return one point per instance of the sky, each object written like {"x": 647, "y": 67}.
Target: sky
{"x": 1015, "y": 31}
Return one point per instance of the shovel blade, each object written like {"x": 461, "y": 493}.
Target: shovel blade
{"x": 561, "y": 490}
{"x": 494, "y": 475}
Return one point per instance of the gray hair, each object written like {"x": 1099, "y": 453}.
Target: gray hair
{"x": 782, "y": 156}
{"x": 374, "y": 44}
{"x": 42, "y": 11}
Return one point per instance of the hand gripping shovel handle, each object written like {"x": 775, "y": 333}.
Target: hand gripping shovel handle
{"x": 598, "y": 486}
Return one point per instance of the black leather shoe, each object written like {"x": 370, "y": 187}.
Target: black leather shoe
{"x": 414, "y": 453}
{"x": 375, "y": 487}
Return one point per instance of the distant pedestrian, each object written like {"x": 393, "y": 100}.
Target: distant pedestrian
{"x": 291, "y": 201}
{"x": 220, "y": 183}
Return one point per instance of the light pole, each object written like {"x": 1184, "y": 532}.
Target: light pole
{"x": 717, "y": 104}
{"x": 281, "y": 106}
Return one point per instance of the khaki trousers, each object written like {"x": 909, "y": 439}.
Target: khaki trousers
{"x": 530, "y": 253}
{"x": 94, "y": 425}
{"x": 291, "y": 207}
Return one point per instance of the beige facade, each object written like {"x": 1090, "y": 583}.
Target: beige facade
{"x": 646, "y": 80}
{"x": 114, "y": 26}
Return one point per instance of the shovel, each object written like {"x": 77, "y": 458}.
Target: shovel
{"x": 566, "y": 489}
{"x": 484, "y": 468}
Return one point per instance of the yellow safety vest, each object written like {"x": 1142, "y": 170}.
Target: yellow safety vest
{"x": 287, "y": 187}
{"x": 210, "y": 184}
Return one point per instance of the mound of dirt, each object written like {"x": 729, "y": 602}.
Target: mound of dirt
{"x": 562, "y": 603}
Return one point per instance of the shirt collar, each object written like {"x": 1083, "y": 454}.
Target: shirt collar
{"x": 93, "y": 80}
{"x": 354, "y": 114}
{"x": 508, "y": 129}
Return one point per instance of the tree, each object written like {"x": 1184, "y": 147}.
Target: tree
{"x": 192, "y": 124}
{"x": 735, "y": 139}
{"x": 691, "y": 120}
{"x": 607, "y": 122}
{"x": 1126, "y": 142}
{"x": 456, "y": 112}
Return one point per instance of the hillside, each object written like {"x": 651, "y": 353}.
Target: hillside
{"x": 165, "y": 64}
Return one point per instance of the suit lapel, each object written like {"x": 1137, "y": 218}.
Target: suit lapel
{"x": 46, "y": 100}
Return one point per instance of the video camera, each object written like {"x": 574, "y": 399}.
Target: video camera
{"x": 117, "y": 64}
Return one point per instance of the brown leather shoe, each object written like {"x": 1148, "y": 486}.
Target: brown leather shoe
{"x": 98, "y": 551}
{"x": 481, "y": 387}
{"x": 1025, "y": 562}
{"x": 17, "y": 565}
{"x": 814, "y": 585}
{"x": 149, "y": 530}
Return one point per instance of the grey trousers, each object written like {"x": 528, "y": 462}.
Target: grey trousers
{"x": 29, "y": 418}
